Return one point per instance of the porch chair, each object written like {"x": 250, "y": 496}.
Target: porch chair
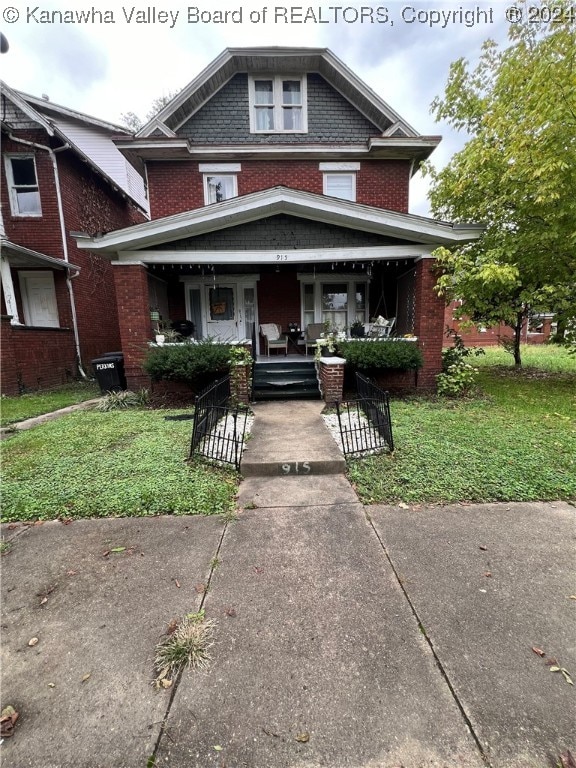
{"x": 382, "y": 328}
{"x": 314, "y": 331}
{"x": 273, "y": 337}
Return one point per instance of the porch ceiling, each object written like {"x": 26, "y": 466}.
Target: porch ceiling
{"x": 278, "y": 200}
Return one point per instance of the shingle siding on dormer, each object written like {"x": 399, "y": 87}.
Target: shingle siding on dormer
{"x": 225, "y": 119}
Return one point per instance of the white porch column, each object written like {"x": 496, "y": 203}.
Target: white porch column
{"x": 8, "y": 290}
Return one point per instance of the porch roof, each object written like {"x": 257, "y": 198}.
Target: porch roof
{"x": 278, "y": 200}
{"x": 20, "y": 257}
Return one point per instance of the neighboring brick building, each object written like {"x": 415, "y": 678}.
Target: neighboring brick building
{"x": 278, "y": 186}
{"x": 60, "y": 173}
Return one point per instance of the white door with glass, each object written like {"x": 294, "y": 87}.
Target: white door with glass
{"x": 222, "y": 313}
{"x": 225, "y": 312}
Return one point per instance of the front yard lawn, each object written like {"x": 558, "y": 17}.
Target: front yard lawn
{"x": 37, "y": 403}
{"x": 120, "y": 463}
{"x": 516, "y": 441}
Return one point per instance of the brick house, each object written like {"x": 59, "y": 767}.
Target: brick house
{"x": 278, "y": 185}
{"x": 536, "y": 330}
{"x": 60, "y": 172}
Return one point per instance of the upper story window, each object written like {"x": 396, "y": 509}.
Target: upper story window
{"x": 340, "y": 180}
{"x": 278, "y": 104}
{"x": 23, "y": 185}
{"x": 220, "y": 181}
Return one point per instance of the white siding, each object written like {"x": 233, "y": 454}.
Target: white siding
{"x": 95, "y": 143}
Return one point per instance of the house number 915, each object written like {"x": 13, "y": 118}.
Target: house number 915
{"x": 281, "y": 257}
{"x": 296, "y": 468}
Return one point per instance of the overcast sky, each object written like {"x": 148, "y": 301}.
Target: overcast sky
{"x": 114, "y": 62}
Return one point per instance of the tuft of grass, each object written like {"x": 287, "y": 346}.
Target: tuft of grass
{"x": 114, "y": 401}
{"x": 116, "y": 464}
{"x": 38, "y": 403}
{"x": 5, "y": 547}
{"x": 187, "y": 646}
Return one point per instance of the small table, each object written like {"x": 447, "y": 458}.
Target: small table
{"x": 293, "y": 337}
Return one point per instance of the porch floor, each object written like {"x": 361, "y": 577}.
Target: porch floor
{"x": 278, "y": 357}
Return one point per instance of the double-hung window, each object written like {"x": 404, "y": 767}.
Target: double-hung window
{"x": 340, "y": 180}
{"x": 278, "y": 104}
{"x": 220, "y": 181}
{"x": 23, "y": 185}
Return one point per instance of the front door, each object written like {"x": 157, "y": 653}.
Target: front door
{"x": 222, "y": 312}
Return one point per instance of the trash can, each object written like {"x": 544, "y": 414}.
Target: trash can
{"x": 109, "y": 372}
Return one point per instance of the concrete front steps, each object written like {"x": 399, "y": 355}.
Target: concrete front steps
{"x": 279, "y": 378}
{"x": 289, "y": 439}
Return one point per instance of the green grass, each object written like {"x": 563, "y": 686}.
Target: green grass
{"x": 515, "y": 441}
{"x": 121, "y": 463}
{"x": 545, "y": 357}
{"x": 37, "y": 403}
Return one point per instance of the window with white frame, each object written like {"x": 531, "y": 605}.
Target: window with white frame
{"x": 337, "y": 300}
{"x": 220, "y": 181}
{"x": 278, "y": 104}
{"x": 23, "y": 187}
{"x": 340, "y": 180}
{"x": 39, "y": 298}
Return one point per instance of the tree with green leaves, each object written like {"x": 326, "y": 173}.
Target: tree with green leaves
{"x": 516, "y": 175}
{"x": 133, "y": 122}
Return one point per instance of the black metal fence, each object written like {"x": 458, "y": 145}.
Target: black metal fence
{"x": 219, "y": 428}
{"x": 365, "y": 424}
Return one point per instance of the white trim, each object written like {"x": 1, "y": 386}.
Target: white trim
{"x": 12, "y": 191}
{"x": 350, "y": 177}
{"x": 208, "y": 189}
{"x": 339, "y": 166}
{"x": 9, "y": 293}
{"x": 349, "y": 279}
{"x": 277, "y": 103}
{"x": 219, "y": 168}
{"x": 321, "y": 60}
{"x": 277, "y": 256}
{"x": 269, "y": 202}
{"x": 24, "y": 276}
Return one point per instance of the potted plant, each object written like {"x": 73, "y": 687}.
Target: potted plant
{"x": 357, "y": 329}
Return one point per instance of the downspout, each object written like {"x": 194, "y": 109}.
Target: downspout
{"x": 52, "y": 154}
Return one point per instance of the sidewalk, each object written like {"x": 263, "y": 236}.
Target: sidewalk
{"x": 365, "y": 638}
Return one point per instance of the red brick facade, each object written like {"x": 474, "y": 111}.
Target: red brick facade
{"x": 47, "y": 357}
{"x": 178, "y": 186}
{"x": 429, "y": 324}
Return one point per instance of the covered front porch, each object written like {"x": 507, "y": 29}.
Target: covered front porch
{"x": 283, "y": 257}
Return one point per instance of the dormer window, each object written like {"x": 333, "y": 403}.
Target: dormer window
{"x": 278, "y": 104}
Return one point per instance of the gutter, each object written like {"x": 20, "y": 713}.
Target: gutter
{"x": 69, "y": 278}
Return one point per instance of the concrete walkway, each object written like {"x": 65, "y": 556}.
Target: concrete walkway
{"x": 354, "y": 637}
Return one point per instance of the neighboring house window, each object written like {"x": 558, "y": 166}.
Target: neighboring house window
{"x": 39, "y": 298}
{"x": 23, "y": 185}
{"x": 220, "y": 181}
{"x": 278, "y": 104}
{"x": 340, "y": 180}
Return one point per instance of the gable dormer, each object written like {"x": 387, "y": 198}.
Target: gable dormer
{"x": 299, "y": 99}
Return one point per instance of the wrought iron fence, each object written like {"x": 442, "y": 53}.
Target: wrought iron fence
{"x": 219, "y": 428}
{"x": 365, "y": 424}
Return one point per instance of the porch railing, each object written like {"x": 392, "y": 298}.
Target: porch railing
{"x": 219, "y": 428}
{"x": 365, "y": 423}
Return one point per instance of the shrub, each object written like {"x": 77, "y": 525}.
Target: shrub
{"x": 187, "y": 362}
{"x": 375, "y": 355}
{"x": 458, "y": 376}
